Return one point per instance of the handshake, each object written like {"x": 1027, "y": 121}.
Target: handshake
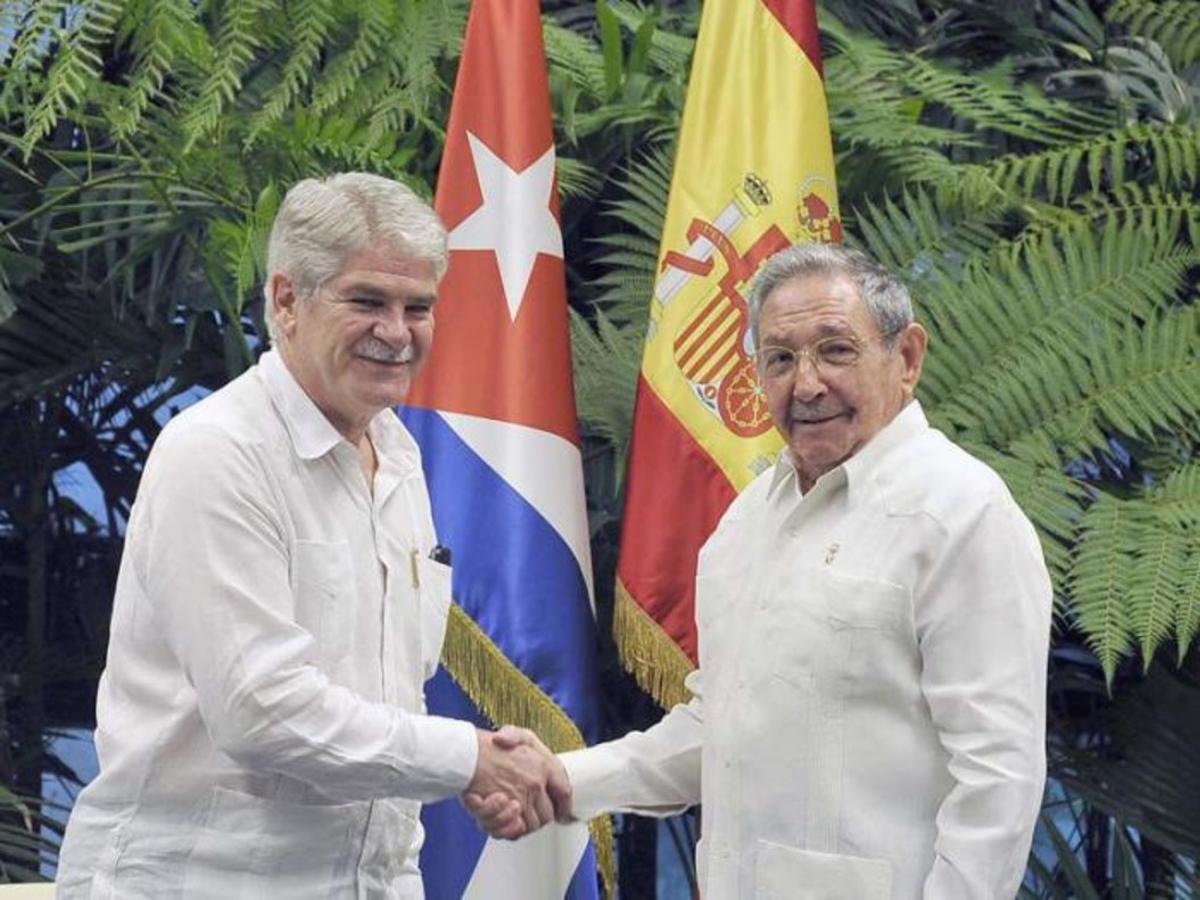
{"x": 518, "y": 786}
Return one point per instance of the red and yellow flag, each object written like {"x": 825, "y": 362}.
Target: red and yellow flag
{"x": 753, "y": 174}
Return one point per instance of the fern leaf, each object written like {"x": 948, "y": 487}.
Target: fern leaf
{"x": 239, "y": 36}
{"x": 1173, "y": 24}
{"x": 1172, "y": 153}
{"x": 1155, "y": 586}
{"x": 311, "y": 21}
{"x": 163, "y": 32}
{"x": 1187, "y": 612}
{"x": 1008, "y": 306}
{"x": 1134, "y": 381}
{"x": 576, "y": 58}
{"x": 32, "y": 34}
{"x": 1177, "y": 499}
{"x": 1100, "y": 578}
{"x": 76, "y": 65}
{"x": 607, "y": 360}
{"x": 341, "y": 75}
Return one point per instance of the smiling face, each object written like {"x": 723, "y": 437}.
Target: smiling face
{"x": 357, "y": 343}
{"x": 827, "y": 414}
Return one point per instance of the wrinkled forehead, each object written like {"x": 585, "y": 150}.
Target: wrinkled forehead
{"x": 814, "y": 306}
{"x": 386, "y": 270}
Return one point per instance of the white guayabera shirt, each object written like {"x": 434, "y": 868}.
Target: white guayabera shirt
{"x": 869, "y": 712}
{"x": 260, "y": 721}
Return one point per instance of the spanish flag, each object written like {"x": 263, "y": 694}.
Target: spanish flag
{"x": 753, "y": 174}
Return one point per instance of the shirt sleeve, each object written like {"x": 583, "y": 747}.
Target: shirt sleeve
{"x": 207, "y": 545}
{"x": 655, "y": 772}
{"x": 983, "y": 620}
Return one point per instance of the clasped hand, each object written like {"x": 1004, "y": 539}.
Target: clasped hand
{"x": 518, "y": 786}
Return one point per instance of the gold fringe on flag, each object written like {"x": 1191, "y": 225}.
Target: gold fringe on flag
{"x": 506, "y": 695}
{"x": 655, "y": 660}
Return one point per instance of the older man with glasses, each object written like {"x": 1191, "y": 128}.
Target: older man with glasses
{"x": 869, "y": 713}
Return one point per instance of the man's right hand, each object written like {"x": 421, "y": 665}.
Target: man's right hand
{"x": 519, "y": 785}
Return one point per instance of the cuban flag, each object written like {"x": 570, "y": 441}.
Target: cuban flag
{"x": 494, "y": 413}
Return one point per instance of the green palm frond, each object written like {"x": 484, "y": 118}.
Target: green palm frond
{"x": 75, "y": 66}
{"x": 310, "y": 22}
{"x": 1132, "y": 381}
{"x": 577, "y": 179}
{"x": 1177, "y": 499}
{"x": 990, "y": 101}
{"x": 1157, "y": 582}
{"x": 630, "y": 254}
{"x": 1174, "y": 24}
{"x": 35, "y": 26}
{"x": 1094, "y": 165}
{"x": 913, "y": 235}
{"x": 1176, "y": 503}
{"x": 1157, "y": 208}
{"x": 340, "y": 77}
{"x": 670, "y": 48}
{"x": 408, "y": 77}
{"x": 999, "y": 317}
{"x": 607, "y": 361}
{"x": 1101, "y": 577}
{"x": 576, "y": 58}
{"x": 161, "y": 33}
{"x": 239, "y": 36}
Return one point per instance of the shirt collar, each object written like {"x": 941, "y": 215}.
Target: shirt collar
{"x": 312, "y": 434}
{"x": 908, "y": 422}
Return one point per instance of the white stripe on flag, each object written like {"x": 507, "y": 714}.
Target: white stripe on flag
{"x": 538, "y": 867}
{"x": 543, "y": 468}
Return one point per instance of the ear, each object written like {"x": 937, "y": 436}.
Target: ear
{"x": 283, "y": 303}
{"x": 912, "y": 343}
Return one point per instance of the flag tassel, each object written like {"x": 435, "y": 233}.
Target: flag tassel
{"x": 506, "y": 695}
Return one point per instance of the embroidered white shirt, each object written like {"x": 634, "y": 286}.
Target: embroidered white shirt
{"x": 868, "y": 720}
{"x": 261, "y": 727}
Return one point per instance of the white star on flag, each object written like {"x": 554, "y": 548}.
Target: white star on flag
{"x": 514, "y": 221}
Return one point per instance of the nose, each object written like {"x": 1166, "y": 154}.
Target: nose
{"x": 391, "y": 326}
{"x": 807, "y": 384}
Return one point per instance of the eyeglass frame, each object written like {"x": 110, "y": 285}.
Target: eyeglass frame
{"x": 808, "y": 350}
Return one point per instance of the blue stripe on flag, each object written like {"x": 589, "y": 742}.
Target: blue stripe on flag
{"x": 513, "y": 573}
{"x": 448, "y": 859}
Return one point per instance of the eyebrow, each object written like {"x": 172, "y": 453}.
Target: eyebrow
{"x": 379, "y": 292}
{"x": 824, "y": 330}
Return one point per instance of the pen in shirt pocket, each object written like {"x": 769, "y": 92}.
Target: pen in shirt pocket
{"x": 439, "y": 554}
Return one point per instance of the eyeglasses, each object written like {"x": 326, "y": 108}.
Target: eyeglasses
{"x": 828, "y": 354}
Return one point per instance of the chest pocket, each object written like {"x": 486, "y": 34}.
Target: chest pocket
{"x": 435, "y": 597}
{"x": 323, "y": 589}
{"x": 853, "y": 635}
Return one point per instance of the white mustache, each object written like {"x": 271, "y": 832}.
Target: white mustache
{"x": 381, "y": 351}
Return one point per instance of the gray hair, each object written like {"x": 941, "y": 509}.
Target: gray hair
{"x": 323, "y": 222}
{"x": 884, "y": 293}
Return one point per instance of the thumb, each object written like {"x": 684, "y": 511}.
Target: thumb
{"x": 510, "y": 737}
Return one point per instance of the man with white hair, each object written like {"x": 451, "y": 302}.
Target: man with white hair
{"x": 873, "y": 615}
{"x": 282, "y": 599}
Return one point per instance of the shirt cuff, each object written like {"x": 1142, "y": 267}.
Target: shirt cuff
{"x": 448, "y": 750}
{"x": 586, "y": 772}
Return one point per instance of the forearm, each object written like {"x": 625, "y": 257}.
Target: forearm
{"x": 296, "y": 723}
{"x": 654, "y": 772}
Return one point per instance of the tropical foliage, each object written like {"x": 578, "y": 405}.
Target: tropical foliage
{"x": 1031, "y": 168}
